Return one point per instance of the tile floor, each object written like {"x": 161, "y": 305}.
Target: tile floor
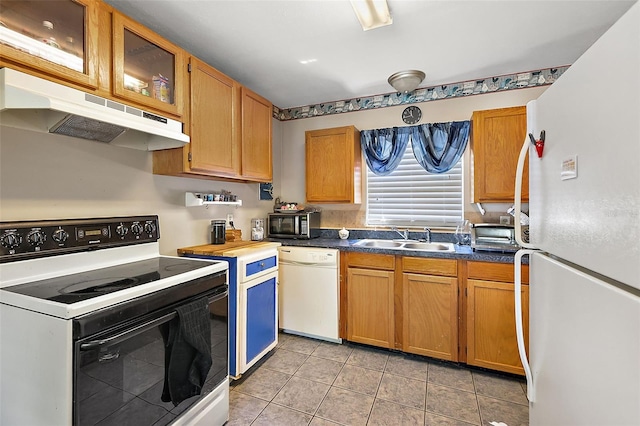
{"x": 306, "y": 381}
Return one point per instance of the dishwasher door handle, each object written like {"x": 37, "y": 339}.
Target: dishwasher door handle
{"x": 288, "y": 262}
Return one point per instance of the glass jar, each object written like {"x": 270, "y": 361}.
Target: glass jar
{"x": 218, "y": 231}
{"x": 463, "y": 233}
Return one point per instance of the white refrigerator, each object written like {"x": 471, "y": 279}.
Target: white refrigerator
{"x": 583, "y": 365}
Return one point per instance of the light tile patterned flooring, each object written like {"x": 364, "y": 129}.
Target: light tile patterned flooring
{"x": 306, "y": 381}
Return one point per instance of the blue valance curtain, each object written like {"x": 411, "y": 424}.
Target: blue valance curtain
{"x": 383, "y": 148}
{"x": 439, "y": 146}
{"x": 436, "y": 146}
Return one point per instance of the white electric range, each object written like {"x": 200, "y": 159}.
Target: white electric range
{"x": 94, "y": 321}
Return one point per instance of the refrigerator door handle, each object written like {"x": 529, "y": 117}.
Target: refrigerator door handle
{"x": 517, "y": 291}
{"x": 518, "y": 194}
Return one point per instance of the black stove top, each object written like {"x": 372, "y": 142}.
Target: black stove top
{"x": 74, "y": 288}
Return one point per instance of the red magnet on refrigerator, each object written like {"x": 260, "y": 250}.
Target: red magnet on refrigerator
{"x": 539, "y": 144}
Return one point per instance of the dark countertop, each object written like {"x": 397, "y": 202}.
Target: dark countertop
{"x": 462, "y": 252}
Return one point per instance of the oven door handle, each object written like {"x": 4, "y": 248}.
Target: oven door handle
{"x": 112, "y": 340}
{"x": 93, "y": 344}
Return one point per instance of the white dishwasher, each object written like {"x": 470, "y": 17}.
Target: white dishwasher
{"x": 308, "y": 292}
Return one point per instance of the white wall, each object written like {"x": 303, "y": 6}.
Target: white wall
{"x": 46, "y": 176}
{"x": 54, "y": 177}
{"x": 456, "y": 109}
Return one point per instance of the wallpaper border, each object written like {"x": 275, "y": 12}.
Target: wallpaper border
{"x": 542, "y": 77}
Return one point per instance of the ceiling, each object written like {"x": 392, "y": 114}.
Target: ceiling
{"x": 262, "y": 43}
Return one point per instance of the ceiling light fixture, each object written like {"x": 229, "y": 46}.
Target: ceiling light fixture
{"x": 372, "y": 13}
{"x": 406, "y": 81}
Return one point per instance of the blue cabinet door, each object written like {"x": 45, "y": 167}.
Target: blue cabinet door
{"x": 262, "y": 331}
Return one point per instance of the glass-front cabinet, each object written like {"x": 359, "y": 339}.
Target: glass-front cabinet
{"x": 59, "y": 38}
{"x": 147, "y": 69}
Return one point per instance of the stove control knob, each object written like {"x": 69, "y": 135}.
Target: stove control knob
{"x": 36, "y": 238}
{"x": 122, "y": 230}
{"x": 60, "y": 235}
{"x": 136, "y": 229}
{"x": 10, "y": 240}
{"x": 149, "y": 227}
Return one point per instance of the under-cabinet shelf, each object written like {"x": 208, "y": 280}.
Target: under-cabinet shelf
{"x": 192, "y": 199}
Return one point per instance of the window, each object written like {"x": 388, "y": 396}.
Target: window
{"x": 410, "y": 196}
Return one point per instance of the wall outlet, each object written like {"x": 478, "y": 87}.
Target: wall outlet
{"x": 229, "y": 218}
{"x": 505, "y": 220}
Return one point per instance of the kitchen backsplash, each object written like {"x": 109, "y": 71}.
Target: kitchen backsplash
{"x": 356, "y": 219}
{"x": 358, "y": 234}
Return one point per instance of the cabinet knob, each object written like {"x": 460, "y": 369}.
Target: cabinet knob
{"x": 262, "y": 264}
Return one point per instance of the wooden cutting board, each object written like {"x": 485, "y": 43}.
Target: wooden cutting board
{"x": 223, "y": 249}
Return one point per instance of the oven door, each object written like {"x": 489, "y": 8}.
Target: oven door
{"x": 119, "y": 373}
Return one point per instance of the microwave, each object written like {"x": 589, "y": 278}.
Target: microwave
{"x": 303, "y": 225}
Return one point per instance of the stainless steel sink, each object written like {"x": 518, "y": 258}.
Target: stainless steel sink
{"x": 379, "y": 244}
{"x": 429, "y": 246}
{"x": 406, "y": 245}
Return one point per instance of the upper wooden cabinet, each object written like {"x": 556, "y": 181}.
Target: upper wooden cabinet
{"x": 496, "y": 137}
{"x": 57, "y": 39}
{"x": 147, "y": 69}
{"x": 333, "y": 165}
{"x": 215, "y": 134}
{"x": 257, "y": 157}
{"x": 230, "y": 129}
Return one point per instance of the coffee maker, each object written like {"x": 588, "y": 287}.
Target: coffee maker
{"x": 257, "y": 229}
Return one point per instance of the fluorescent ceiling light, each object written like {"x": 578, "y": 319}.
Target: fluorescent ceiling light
{"x": 372, "y": 13}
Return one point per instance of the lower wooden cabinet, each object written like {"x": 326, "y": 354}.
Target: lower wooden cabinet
{"x": 405, "y": 303}
{"x": 434, "y": 307}
{"x": 430, "y": 307}
{"x": 370, "y": 307}
{"x": 491, "y": 329}
{"x": 430, "y": 316}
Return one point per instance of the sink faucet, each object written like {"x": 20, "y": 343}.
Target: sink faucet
{"x": 404, "y": 234}
{"x": 427, "y": 235}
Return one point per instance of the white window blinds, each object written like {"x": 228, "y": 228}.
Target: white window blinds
{"x": 410, "y": 196}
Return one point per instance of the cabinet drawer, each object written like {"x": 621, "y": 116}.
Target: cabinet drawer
{"x": 258, "y": 266}
{"x": 372, "y": 261}
{"x": 254, "y": 265}
{"x": 422, "y": 265}
{"x": 488, "y": 271}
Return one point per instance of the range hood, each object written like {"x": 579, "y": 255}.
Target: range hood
{"x": 32, "y": 103}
